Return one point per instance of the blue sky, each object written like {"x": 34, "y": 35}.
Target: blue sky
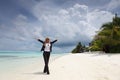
{"x": 69, "y": 21}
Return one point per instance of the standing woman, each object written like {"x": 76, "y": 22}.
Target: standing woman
{"x": 46, "y": 48}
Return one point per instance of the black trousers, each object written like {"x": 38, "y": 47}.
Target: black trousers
{"x": 46, "y": 56}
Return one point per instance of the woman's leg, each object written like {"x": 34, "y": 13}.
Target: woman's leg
{"x": 47, "y": 67}
{"x": 44, "y": 56}
{"x": 46, "y": 60}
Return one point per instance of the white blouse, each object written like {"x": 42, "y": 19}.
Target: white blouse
{"x": 47, "y": 47}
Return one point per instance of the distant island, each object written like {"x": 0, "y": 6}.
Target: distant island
{"x": 107, "y": 39}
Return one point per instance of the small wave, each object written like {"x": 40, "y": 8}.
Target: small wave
{"x": 15, "y": 57}
{"x": 7, "y": 56}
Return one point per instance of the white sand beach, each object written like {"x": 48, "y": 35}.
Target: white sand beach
{"x": 81, "y": 66}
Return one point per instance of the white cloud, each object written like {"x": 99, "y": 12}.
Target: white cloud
{"x": 72, "y": 22}
{"x": 78, "y": 6}
{"x": 113, "y": 4}
{"x": 69, "y": 25}
{"x": 97, "y": 17}
{"x": 21, "y": 35}
{"x": 26, "y": 29}
{"x": 63, "y": 12}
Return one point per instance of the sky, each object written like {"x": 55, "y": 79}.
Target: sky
{"x": 69, "y": 21}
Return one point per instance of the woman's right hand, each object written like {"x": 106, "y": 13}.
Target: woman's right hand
{"x": 38, "y": 39}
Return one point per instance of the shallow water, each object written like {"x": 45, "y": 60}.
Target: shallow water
{"x": 10, "y": 60}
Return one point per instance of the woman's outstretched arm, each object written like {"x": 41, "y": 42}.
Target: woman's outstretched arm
{"x": 54, "y": 41}
{"x": 40, "y": 40}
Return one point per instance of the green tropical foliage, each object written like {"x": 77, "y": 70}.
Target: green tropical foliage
{"x": 78, "y": 49}
{"x": 109, "y": 34}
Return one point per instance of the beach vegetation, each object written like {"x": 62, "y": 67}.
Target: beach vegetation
{"x": 109, "y": 34}
{"x": 79, "y": 48}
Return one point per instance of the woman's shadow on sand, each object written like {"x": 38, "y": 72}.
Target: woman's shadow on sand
{"x": 37, "y": 73}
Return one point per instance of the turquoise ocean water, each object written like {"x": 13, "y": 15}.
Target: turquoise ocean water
{"x": 10, "y": 60}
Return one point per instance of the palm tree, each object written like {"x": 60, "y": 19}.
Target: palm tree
{"x": 109, "y": 34}
{"x": 78, "y": 48}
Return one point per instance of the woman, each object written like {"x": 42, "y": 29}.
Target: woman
{"x": 46, "y": 48}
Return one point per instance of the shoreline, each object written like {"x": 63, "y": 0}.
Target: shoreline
{"x": 11, "y": 63}
{"x": 82, "y": 66}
